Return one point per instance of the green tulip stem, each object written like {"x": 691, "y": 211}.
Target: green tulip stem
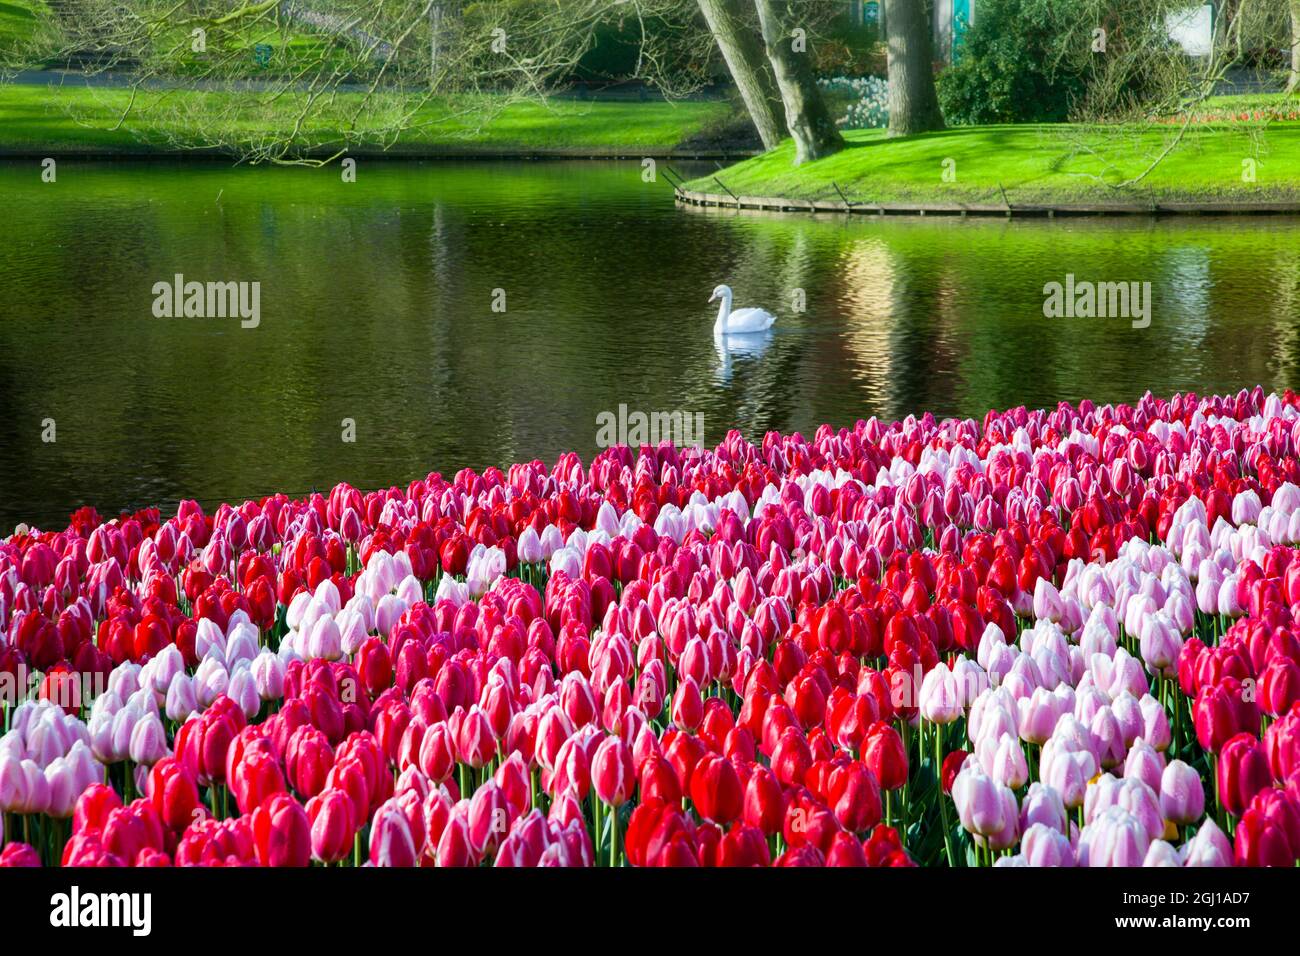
{"x": 943, "y": 799}
{"x": 613, "y": 839}
{"x": 1218, "y": 802}
{"x": 907, "y": 781}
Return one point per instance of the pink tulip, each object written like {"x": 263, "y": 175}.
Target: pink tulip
{"x": 1182, "y": 797}
{"x": 1043, "y": 806}
{"x": 940, "y": 698}
{"x": 1114, "y": 838}
{"x": 455, "y": 848}
{"x": 1208, "y": 848}
{"x": 1042, "y": 845}
{"x": 391, "y": 843}
{"x": 980, "y": 806}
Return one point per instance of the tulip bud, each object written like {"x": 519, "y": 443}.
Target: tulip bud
{"x": 612, "y": 773}
{"x": 715, "y": 790}
{"x": 1208, "y": 848}
{"x": 391, "y": 843}
{"x": 281, "y": 832}
{"x": 332, "y": 825}
{"x": 940, "y": 698}
{"x": 1242, "y": 772}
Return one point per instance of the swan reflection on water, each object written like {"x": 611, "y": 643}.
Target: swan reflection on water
{"x": 747, "y": 346}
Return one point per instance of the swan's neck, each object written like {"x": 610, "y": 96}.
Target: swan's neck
{"x": 724, "y": 312}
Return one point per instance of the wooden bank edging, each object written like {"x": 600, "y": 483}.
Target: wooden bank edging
{"x": 775, "y": 204}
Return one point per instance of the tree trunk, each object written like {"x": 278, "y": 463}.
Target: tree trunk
{"x": 913, "y": 102}
{"x": 744, "y": 56}
{"x": 1293, "y": 80}
{"x": 435, "y": 32}
{"x": 815, "y": 134}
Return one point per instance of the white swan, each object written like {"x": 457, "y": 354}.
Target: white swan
{"x": 740, "y": 321}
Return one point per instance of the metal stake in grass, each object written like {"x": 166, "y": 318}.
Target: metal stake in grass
{"x": 729, "y": 192}
{"x": 848, "y": 203}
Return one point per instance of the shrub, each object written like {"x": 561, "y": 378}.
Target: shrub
{"x": 1006, "y": 72}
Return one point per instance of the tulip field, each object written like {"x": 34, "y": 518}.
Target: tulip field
{"x": 1065, "y": 637}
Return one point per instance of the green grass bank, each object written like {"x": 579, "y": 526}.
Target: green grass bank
{"x": 53, "y": 120}
{"x": 1214, "y": 162}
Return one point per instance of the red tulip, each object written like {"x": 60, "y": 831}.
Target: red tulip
{"x": 202, "y": 743}
{"x": 374, "y": 666}
{"x": 1279, "y": 685}
{"x": 19, "y": 855}
{"x": 174, "y": 793}
{"x": 332, "y": 825}
{"x": 612, "y": 773}
{"x": 1282, "y": 744}
{"x": 256, "y": 776}
{"x": 884, "y": 848}
{"x": 489, "y": 818}
{"x": 803, "y": 855}
{"x": 743, "y": 846}
{"x": 884, "y": 755}
{"x": 715, "y": 790}
{"x": 658, "y": 781}
{"x": 1222, "y": 711}
{"x": 525, "y": 843}
{"x": 684, "y": 753}
{"x": 764, "y": 804}
{"x": 281, "y": 832}
{"x": 572, "y": 770}
{"x": 475, "y": 743}
{"x": 952, "y": 764}
{"x": 1243, "y": 772}
{"x": 854, "y": 796}
{"x": 95, "y": 804}
{"x": 391, "y": 842}
{"x": 1268, "y": 833}
{"x": 688, "y": 706}
{"x": 454, "y": 845}
{"x": 308, "y": 760}
{"x": 512, "y": 778}
{"x": 791, "y": 758}
{"x": 133, "y": 828}
{"x": 659, "y": 834}
{"x": 846, "y": 851}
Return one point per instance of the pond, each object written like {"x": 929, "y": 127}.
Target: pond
{"x": 376, "y": 306}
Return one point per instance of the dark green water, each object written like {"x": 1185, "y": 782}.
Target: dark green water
{"x": 376, "y": 305}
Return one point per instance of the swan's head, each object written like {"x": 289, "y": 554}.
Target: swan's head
{"x": 721, "y": 292}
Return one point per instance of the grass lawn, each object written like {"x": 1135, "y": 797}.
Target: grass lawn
{"x": 1056, "y": 163}
{"x": 73, "y": 118}
{"x": 1237, "y": 102}
{"x": 44, "y": 119}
